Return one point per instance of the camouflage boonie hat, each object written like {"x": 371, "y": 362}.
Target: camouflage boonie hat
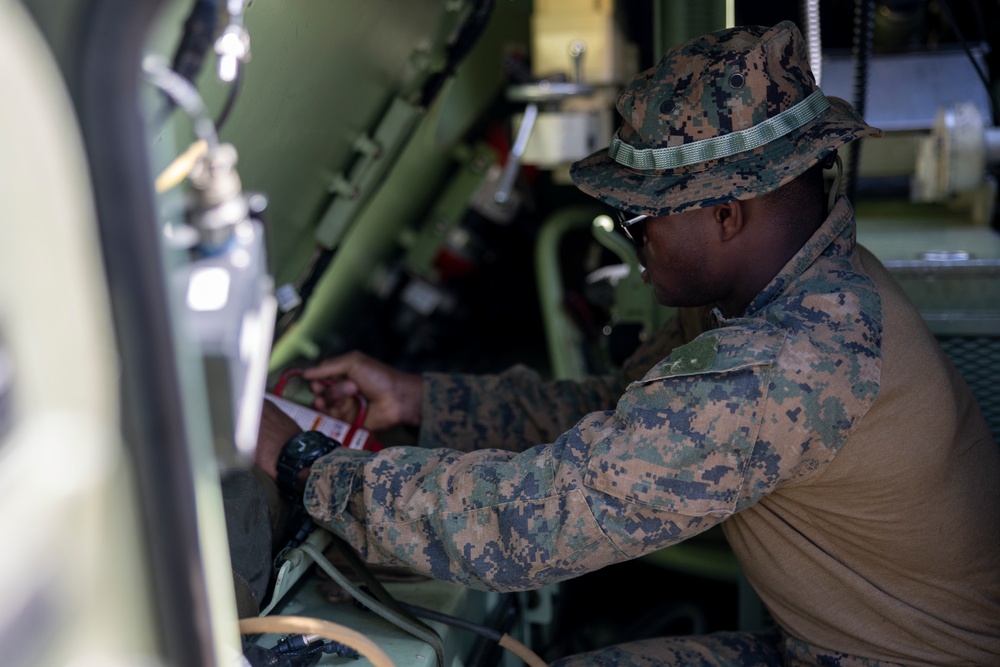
{"x": 731, "y": 115}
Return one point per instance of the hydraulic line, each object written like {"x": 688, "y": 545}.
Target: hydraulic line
{"x": 182, "y": 165}
{"x": 181, "y": 92}
{"x": 196, "y": 40}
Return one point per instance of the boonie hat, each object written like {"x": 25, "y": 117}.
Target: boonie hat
{"x": 730, "y": 115}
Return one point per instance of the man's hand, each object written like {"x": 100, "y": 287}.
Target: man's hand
{"x": 276, "y": 428}
{"x": 393, "y": 396}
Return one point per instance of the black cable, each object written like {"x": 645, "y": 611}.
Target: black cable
{"x": 304, "y": 530}
{"x": 946, "y": 9}
{"x": 502, "y": 619}
{"x": 234, "y": 91}
{"x": 196, "y": 40}
{"x": 305, "y": 645}
{"x": 189, "y": 56}
{"x": 468, "y": 35}
{"x": 423, "y": 612}
{"x": 305, "y": 285}
{"x": 864, "y": 30}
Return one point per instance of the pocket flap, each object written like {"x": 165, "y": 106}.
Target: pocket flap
{"x": 688, "y": 428}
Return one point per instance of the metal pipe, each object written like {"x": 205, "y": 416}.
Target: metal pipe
{"x": 513, "y": 166}
{"x": 561, "y": 334}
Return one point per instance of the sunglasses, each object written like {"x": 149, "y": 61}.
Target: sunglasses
{"x": 634, "y": 227}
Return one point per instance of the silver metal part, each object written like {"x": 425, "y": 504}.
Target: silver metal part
{"x": 513, "y": 165}
{"x": 953, "y": 158}
{"x": 230, "y": 304}
{"x": 233, "y": 49}
{"x": 535, "y": 95}
{"x": 288, "y": 297}
{"x": 577, "y": 48}
{"x": 233, "y": 45}
{"x": 546, "y": 91}
{"x": 219, "y": 204}
{"x": 230, "y": 301}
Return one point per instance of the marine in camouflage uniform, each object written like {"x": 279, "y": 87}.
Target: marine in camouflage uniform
{"x": 850, "y": 467}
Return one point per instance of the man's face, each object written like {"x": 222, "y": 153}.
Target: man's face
{"x": 681, "y": 258}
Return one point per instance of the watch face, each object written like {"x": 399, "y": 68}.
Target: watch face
{"x": 308, "y": 446}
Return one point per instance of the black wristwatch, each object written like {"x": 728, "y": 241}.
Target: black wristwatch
{"x": 298, "y": 453}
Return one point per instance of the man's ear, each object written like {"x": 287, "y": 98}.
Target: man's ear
{"x": 730, "y": 219}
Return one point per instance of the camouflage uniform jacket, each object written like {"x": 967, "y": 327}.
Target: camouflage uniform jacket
{"x": 746, "y": 424}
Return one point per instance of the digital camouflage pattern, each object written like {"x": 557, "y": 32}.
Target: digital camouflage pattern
{"x": 744, "y": 649}
{"x": 720, "y": 649}
{"x": 763, "y": 423}
{"x": 521, "y": 412}
{"x": 712, "y": 86}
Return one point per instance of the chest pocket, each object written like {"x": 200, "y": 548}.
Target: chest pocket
{"x": 686, "y": 431}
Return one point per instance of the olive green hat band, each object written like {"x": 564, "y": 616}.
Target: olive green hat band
{"x": 721, "y": 146}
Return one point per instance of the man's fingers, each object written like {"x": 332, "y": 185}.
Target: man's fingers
{"x": 341, "y": 406}
{"x": 344, "y": 410}
{"x": 333, "y": 368}
{"x": 332, "y": 391}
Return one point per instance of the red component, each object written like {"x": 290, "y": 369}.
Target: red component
{"x": 371, "y": 444}
{"x": 450, "y": 264}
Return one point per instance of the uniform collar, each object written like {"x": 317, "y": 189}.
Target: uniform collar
{"x": 836, "y": 237}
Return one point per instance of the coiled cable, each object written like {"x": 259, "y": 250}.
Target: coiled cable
{"x": 864, "y": 32}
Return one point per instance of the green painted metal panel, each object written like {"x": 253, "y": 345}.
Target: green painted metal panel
{"x": 406, "y": 190}
{"x": 320, "y": 76}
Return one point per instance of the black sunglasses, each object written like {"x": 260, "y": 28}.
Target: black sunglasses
{"x": 634, "y": 227}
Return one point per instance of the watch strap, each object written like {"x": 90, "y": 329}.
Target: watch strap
{"x": 298, "y": 453}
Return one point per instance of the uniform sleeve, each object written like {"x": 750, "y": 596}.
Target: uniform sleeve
{"x": 667, "y": 463}
{"x": 516, "y": 409}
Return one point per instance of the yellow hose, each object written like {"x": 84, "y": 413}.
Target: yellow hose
{"x": 182, "y": 165}
{"x": 520, "y": 650}
{"x": 305, "y": 625}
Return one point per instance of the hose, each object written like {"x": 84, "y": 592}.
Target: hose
{"x": 182, "y": 165}
{"x": 196, "y": 39}
{"x": 227, "y": 107}
{"x": 182, "y": 93}
{"x": 305, "y": 625}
